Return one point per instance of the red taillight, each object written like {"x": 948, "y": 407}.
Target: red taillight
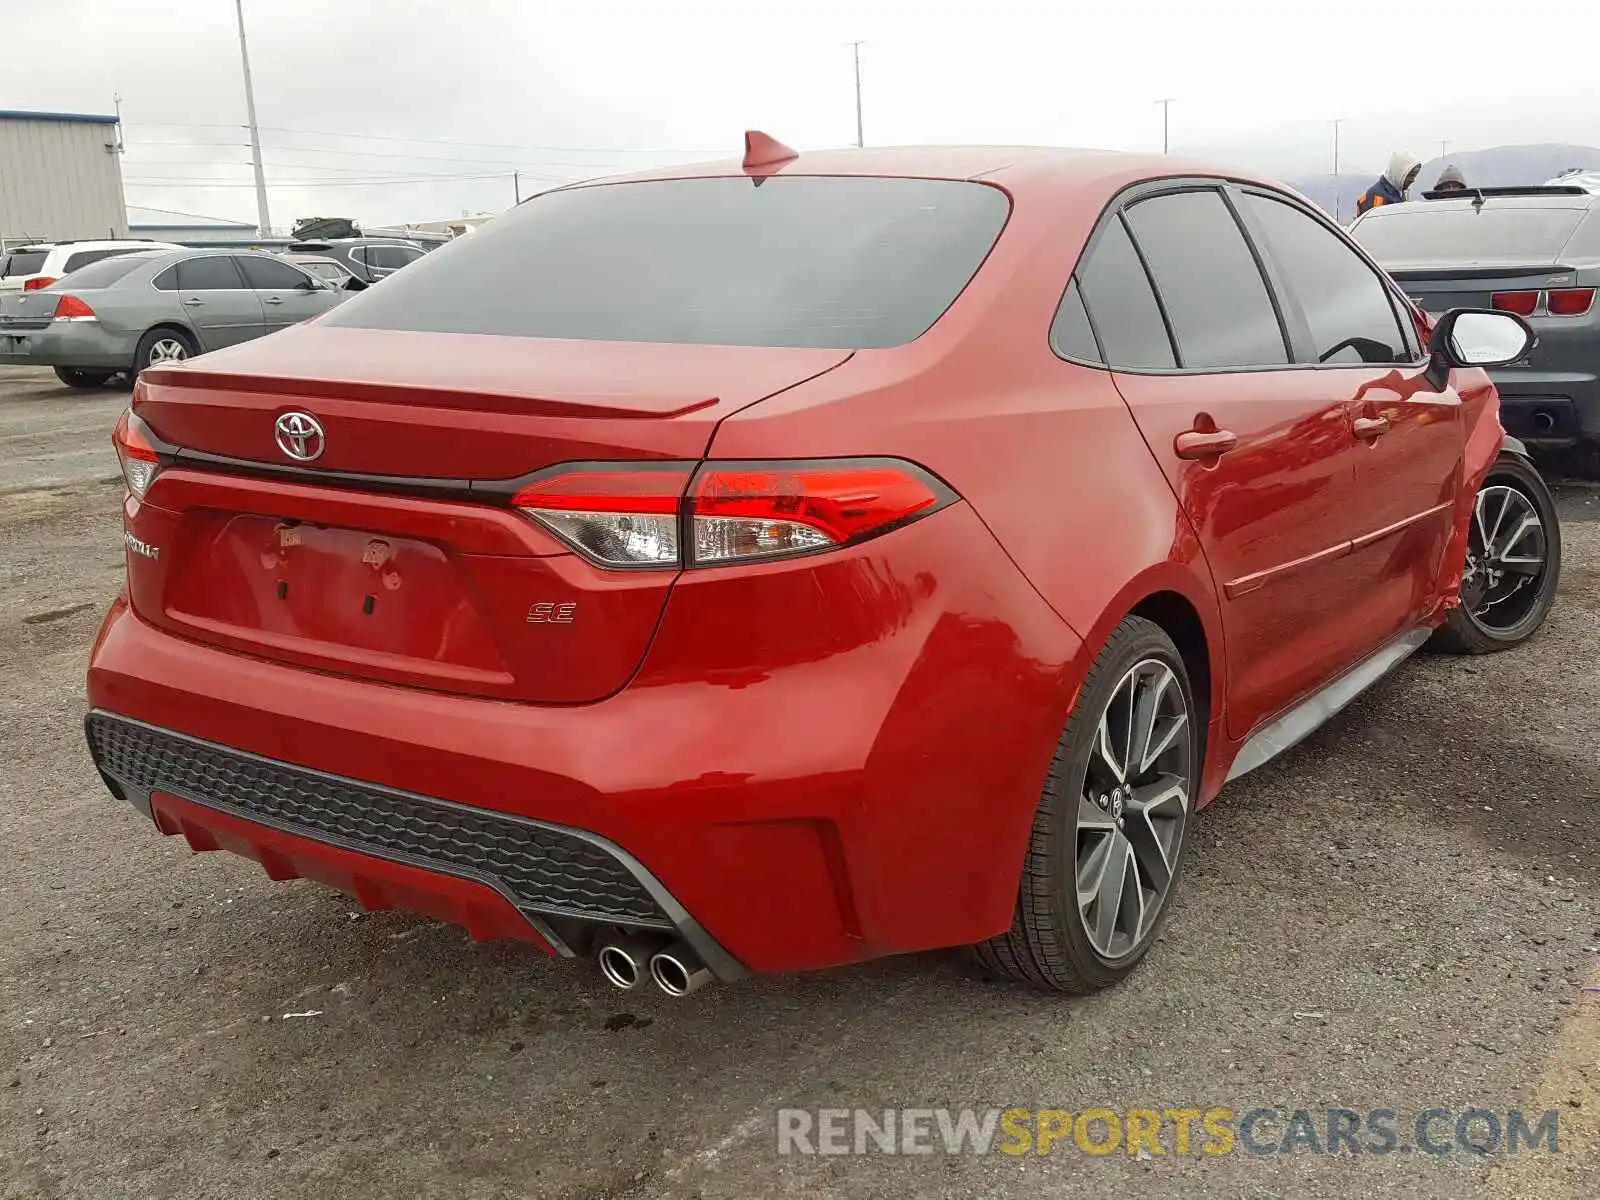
{"x": 34, "y": 285}
{"x": 1521, "y": 303}
{"x": 631, "y": 515}
{"x": 137, "y": 453}
{"x": 70, "y": 308}
{"x": 1569, "y": 302}
{"x": 755, "y": 510}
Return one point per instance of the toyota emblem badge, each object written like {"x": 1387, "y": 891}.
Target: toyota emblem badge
{"x": 300, "y": 436}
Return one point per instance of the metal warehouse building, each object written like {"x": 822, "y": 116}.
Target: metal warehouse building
{"x": 60, "y": 177}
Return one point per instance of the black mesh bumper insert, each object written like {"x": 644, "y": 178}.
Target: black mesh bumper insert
{"x": 539, "y": 867}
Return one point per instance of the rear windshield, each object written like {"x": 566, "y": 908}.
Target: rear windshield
{"x": 22, "y": 262}
{"x": 105, "y": 272}
{"x": 835, "y": 262}
{"x": 1452, "y": 231}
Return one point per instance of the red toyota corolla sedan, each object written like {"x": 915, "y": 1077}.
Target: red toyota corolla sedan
{"x": 782, "y": 563}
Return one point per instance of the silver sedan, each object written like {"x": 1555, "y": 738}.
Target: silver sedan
{"x": 120, "y": 315}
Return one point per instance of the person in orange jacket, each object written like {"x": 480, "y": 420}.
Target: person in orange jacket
{"x": 1393, "y": 184}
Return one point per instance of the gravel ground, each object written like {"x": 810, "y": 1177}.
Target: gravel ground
{"x": 1402, "y": 913}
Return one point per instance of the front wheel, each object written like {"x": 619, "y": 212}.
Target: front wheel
{"x": 1112, "y": 824}
{"x": 83, "y": 381}
{"x": 1513, "y": 562}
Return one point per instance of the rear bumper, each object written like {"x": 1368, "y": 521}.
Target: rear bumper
{"x": 843, "y": 763}
{"x": 1549, "y": 408}
{"x": 84, "y": 344}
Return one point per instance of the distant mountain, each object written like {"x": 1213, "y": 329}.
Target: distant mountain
{"x": 1499, "y": 166}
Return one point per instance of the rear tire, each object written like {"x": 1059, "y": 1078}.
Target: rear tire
{"x": 162, "y": 346}
{"x": 83, "y": 381}
{"x": 1112, "y": 826}
{"x": 1513, "y": 563}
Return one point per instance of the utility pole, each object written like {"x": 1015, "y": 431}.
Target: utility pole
{"x": 516, "y": 185}
{"x": 1166, "y": 113}
{"x": 1337, "y": 121}
{"x": 255, "y": 134}
{"x": 1444, "y": 148}
{"x": 855, "y": 48}
{"x": 116, "y": 101}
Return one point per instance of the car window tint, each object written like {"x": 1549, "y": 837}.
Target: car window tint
{"x": 215, "y": 272}
{"x": 1453, "y": 232}
{"x": 167, "y": 281}
{"x": 107, "y": 271}
{"x": 824, "y": 261}
{"x": 23, "y": 262}
{"x": 85, "y": 257}
{"x": 1349, "y": 309}
{"x": 1071, "y": 334}
{"x": 1215, "y": 298}
{"x": 270, "y": 275}
{"x": 1116, "y": 291}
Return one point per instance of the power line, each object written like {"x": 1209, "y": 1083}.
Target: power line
{"x": 299, "y": 183}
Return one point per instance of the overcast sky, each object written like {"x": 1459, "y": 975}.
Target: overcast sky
{"x": 360, "y": 99}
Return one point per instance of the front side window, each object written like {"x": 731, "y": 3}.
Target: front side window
{"x": 270, "y": 275}
{"x": 821, "y": 261}
{"x": 1117, "y": 295}
{"x": 1221, "y": 313}
{"x": 1346, "y": 304}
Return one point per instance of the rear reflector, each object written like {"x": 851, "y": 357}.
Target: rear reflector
{"x": 1521, "y": 303}
{"x": 649, "y": 515}
{"x": 136, "y": 452}
{"x": 1569, "y": 302}
{"x": 70, "y": 308}
{"x": 34, "y": 285}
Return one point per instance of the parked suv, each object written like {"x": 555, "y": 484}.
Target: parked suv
{"x": 892, "y": 555}
{"x": 28, "y": 268}
{"x": 368, "y": 259}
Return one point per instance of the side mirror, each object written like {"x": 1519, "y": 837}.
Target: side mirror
{"x": 1478, "y": 337}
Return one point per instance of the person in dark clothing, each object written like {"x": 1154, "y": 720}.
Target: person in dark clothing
{"x": 1393, "y": 184}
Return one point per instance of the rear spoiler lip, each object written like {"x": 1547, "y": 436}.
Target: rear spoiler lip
{"x": 1496, "y": 271}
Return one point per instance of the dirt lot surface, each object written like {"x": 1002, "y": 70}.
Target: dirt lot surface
{"x": 1404, "y": 913}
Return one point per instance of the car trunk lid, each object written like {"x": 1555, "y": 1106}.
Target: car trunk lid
{"x": 394, "y": 555}
{"x": 1438, "y": 287}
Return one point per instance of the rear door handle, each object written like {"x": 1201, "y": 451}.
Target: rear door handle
{"x": 1195, "y": 443}
{"x": 273, "y": 300}
{"x": 1370, "y": 429}
{"x": 194, "y": 300}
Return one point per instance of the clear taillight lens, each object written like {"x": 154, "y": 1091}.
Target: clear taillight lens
{"x": 636, "y": 515}
{"x": 136, "y": 451}
{"x": 625, "y": 516}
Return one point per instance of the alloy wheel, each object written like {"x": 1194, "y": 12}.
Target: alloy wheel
{"x": 1132, "y": 809}
{"x": 167, "y": 350}
{"x": 1506, "y": 558}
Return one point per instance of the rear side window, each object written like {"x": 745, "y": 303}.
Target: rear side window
{"x": 1221, "y": 312}
{"x": 1348, "y": 307}
{"x": 837, "y": 262}
{"x": 1116, "y": 292}
{"x": 85, "y": 257}
{"x": 22, "y": 262}
{"x": 211, "y": 274}
{"x": 107, "y": 271}
{"x": 1071, "y": 335}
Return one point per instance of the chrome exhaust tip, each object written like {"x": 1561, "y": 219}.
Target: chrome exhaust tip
{"x": 625, "y": 961}
{"x": 678, "y": 970}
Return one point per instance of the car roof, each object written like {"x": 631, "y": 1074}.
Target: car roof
{"x": 91, "y": 244}
{"x": 1017, "y": 168}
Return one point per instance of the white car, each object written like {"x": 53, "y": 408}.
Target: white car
{"x": 29, "y": 268}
